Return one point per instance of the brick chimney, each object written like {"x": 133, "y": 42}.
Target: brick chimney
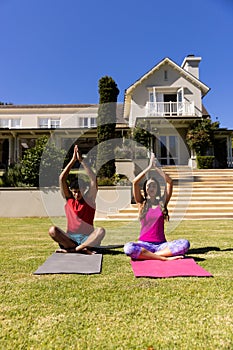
{"x": 191, "y": 65}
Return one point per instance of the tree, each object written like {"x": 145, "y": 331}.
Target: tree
{"x": 106, "y": 123}
{"x": 142, "y": 136}
{"x": 200, "y": 135}
{"x": 42, "y": 164}
{"x": 5, "y": 103}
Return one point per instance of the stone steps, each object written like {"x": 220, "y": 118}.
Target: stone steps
{"x": 207, "y": 194}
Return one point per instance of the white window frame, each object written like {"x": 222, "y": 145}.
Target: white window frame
{"x": 87, "y": 122}
{"x": 93, "y": 122}
{"x": 9, "y": 123}
{"x": 17, "y": 125}
{"x": 4, "y": 123}
{"x": 49, "y": 123}
{"x": 55, "y": 123}
{"x": 43, "y": 123}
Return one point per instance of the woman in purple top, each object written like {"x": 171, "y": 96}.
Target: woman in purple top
{"x": 152, "y": 243}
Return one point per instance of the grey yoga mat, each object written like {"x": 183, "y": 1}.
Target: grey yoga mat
{"x": 74, "y": 263}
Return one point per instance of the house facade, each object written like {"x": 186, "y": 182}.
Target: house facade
{"x": 21, "y": 126}
{"x": 164, "y": 101}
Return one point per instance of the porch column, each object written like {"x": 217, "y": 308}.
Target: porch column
{"x": 229, "y": 152}
{"x": 11, "y": 152}
{"x": 12, "y": 148}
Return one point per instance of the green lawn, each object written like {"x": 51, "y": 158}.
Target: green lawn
{"x": 114, "y": 310}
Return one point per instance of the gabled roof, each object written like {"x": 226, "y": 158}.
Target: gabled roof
{"x": 204, "y": 88}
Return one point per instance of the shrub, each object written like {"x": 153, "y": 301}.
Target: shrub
{"x": 13, "y": 176}
{"x": 41, "y": 165}
{"x": 205, "y": 162}
{"x": 200, "y": 136}
{"x": 106, "y": 181}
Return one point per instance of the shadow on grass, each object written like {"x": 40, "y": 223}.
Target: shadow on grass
{"x": 194, "y": 258}
{"x": 203, "y": 250}
{"x": 110, "y": 249}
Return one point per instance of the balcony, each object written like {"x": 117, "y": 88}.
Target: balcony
{"x": 169, "y": 109}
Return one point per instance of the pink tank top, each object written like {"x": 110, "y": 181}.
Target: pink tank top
{"x": 152, "y": 226}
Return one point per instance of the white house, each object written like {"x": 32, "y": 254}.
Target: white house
{"x": 164, "y": 101}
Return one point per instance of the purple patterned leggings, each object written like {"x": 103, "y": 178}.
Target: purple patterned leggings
{"x": 177, "y": 247}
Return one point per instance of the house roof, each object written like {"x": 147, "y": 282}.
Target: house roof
{"x": 72, "y": 108}
{"x": 36, "y": 106}
{"x": 204, "y": 111}
{"x": 204, "y": 88}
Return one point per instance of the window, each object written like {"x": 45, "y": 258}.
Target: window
{"x": 43, "y": 123}
{"x": 87, "y": 122}
{"x": 165, "y": 75}
{"x": 4, "y": 123}
{"x": 15, "y": 123}
{"x": 10, "y": 123}
{"x": 55, "y": 123}
{"x": 93, "y": 122}
{"x": 47, "y": 123}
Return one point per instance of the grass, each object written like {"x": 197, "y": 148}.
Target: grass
{"x": 115, "y": 310}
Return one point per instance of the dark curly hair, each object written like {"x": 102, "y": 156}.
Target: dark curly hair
{"x": 78, "y": 183}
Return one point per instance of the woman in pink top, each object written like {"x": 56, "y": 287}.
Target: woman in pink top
{"x": 152, "y": 243}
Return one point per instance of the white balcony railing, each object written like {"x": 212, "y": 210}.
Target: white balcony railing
{"x": 160, "y": 109}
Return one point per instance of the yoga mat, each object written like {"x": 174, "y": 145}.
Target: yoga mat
{"x": 171, "y": 268}
{"x": 71, "y": 263}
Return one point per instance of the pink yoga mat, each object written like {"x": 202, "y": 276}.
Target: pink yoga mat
{"x": 173, "y": 268}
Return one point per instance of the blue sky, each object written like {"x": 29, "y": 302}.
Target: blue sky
{"x": 55, "y": 51}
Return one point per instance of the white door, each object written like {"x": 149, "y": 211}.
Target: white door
{"x": 156, "y": 103}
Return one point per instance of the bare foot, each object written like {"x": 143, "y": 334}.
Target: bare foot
{"x": 174, "y": 257}
{"x": 67, "y": 250}
{"x": 85, "y": 250}
{"x": 79, "y": 248}
{"x": 88, "y": 251}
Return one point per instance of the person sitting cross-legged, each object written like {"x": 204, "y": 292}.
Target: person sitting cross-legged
{"x": 152, "y": 243}
{"x": 81, "y": 236}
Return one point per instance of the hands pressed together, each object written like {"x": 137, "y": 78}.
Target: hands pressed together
{"x": 77, "y": 154}
{"x": 153, "y": 161}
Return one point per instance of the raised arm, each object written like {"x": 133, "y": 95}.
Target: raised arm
{"x": 64, "y": 188}
{"x": 92, "y": 192}
{"x": 136, "y": 188}
{"x": 168, "y": 183}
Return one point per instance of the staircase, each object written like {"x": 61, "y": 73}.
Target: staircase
{"x": 197, "y": 194}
